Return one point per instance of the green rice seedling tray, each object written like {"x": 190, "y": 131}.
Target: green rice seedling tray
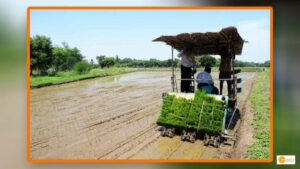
{"x": 199, "y": 111}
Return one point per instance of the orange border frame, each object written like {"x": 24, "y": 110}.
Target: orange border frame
{"x": 148, "y": 8}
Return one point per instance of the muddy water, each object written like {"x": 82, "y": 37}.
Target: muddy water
{"x": 105, "y": 118}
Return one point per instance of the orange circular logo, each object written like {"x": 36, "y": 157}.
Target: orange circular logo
{"x": 281, "y": 159}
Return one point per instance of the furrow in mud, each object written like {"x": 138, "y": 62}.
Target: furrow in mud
{"x": 99, "y": 133}
{"x": 129, "y": 143}
{"x": 127, "y": 113}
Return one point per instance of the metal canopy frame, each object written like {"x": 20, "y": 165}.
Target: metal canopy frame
{"x": 233, "y": 75}
{"x": 227, "y": 41}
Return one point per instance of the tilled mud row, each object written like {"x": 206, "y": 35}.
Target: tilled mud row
{"x": 105, "y": 118}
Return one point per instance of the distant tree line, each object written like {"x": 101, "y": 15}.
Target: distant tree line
{"x": 240, "y": 63}
{"x": 201, "y": 61}
{"x": 212, "y": 61}
{"x": 148, "y": 63}
{"x": 46, "y": 59}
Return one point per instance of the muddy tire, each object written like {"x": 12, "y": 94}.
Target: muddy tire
{"x": 183, "y": 135}
{"x": 193, "y": 137}
{"x": 217, "y": 142}
{"x": 163, "y": 132}
{"x": 206, "y": 140}
{"x": 171, "y": 134}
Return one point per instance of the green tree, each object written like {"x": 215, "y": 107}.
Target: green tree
{"x": 176, "y": 62}
{"x": 100, "y": 60}
{"x": 82, "y": 66}
{"x": 41, "y": 56}
{"x": 117, "y": 60}
{"x": 60, "y": 61}
{"x": 126, "y": 61}
{"x": 266, "y": 64}
{"x": 108, "y": 62}
{"x": 207, "y": 60}
{"x": 104, "y": 61}
{"x": 73, "y": 57}
{"x": 66, "y": 57}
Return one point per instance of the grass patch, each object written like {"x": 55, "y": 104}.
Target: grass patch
{"x": 61, "y": 77}
{"x": 260, "y": 99}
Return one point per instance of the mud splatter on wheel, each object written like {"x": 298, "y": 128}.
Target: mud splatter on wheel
{"x": 206, "y": 140}
{"x": 171, "y": 132}
{"x": 192, "y": 137}
{"x": 217, "y": 141}
{"x": 183, "y": 135}
{"x": 163, "y": 132}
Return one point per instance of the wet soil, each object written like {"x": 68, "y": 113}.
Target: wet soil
{"x": 111, "y": 118}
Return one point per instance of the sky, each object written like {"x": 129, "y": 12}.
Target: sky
{"x": 129, "y": 33}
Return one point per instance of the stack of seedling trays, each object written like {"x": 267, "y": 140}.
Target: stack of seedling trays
{"x": 199, "y": 112}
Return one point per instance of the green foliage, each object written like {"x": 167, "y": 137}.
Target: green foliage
{"x": 48, "y": 60}
{"x": 240, "y": 63}
{"x": 108, "y": 62}
{"x": 104, "y": 61}
{"x": 66, "y": 57}
{"x": 82, "y": 67}
{"x": 148, "y": 63}
{"x": 203, "y": 113}
{"x": 206, "y": 60}
{"x": 117, "y": 59}
{"x": 41, "y": 56}
{"x": 266, "y": 64}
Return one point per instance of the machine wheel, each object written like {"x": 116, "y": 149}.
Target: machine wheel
{"x": 217, "y": 142}
{"x": 183, "y": 135}
{"x": 206, "y": 140}
{"x": 192, "y": 137}
{"x": 172, "y": 132}
{"x": 163, "y": 132}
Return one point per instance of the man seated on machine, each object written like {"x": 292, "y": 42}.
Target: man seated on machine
{"x": 205, "y": 81}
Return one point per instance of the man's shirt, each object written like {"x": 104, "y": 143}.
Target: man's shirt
{"x": 187, "y": 60}
{"x": 204, "y": 77}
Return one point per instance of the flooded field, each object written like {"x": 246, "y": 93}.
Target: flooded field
{"x": 110, "y": 118}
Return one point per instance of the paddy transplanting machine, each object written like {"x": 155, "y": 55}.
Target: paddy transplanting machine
{"x": 201, "y": 114}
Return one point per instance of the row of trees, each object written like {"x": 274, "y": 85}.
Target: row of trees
{"x": 209, "y": 60}
{"x": 239, "y": 63}
{"x": 104, "y": 61}
{"x": 45, "y": 59}
{"x": 200, "y": 61}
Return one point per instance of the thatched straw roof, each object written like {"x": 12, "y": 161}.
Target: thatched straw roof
{"x": 215, "y": 43}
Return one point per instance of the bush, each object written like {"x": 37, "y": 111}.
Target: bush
{"x": 82, "y": 67}
{"x": 51, "y": 71}
{"x": 203, "y": 113}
